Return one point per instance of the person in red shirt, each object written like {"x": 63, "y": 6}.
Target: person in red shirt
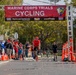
{"x": 36, "y": 46}
{"x": 15, "y": 45}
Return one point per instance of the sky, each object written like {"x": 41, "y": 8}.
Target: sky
{"x": 43, "y": 2}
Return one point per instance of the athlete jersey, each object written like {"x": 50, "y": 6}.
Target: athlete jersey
{"x": 36, "y": 43}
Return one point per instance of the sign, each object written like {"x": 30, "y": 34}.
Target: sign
{"x": 16, "y": 35}
{"x": 14, "y": 13}
{"x": 70, "y": 21}
{"x": 70, "y": 28}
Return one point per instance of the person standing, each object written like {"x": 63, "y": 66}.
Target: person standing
{"x": 9, "y": 48}
{"x": 54, "y": 48}
{"x": 27, "y": 45}
{"x": 16, "y": 46}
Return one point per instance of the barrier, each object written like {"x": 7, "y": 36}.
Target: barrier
{"x": 4, "y": 57}
{"x": 74, "y": 58}
{"x": 67, "y": 52}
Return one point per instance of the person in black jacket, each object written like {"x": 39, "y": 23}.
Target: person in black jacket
{"x": 54, "y": 48}
{"x": 9, "y": 48}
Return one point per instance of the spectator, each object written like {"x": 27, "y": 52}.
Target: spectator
{"x": 15, "y": 46}
{"x": 9, "y": 48}
{"x": 54, "y": 48}
{"x": 27, "y": 45}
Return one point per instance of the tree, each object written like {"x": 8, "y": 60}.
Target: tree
{"x": 74, "y": 2}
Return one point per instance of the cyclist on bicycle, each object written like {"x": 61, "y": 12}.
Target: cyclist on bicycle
{"x": 36, "y": 47}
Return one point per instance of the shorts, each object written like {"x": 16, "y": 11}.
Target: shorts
{"x": 19, "y": 51}
{"x": 54, "y": 51}
{"x": 16, "y": 50}
{"x": 9, "y": 51}
{"x": 35, "y": 48}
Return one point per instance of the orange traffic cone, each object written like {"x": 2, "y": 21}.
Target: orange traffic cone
{"x": 4, "y": 57}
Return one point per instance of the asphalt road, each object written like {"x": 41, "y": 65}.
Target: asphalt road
{"x": 45, "y": 66}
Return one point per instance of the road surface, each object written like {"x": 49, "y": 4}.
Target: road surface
{"x": 45, "y": 66}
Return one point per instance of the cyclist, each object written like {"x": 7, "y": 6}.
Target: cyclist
{"x": 36, "y": 47}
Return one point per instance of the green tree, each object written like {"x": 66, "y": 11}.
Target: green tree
{"x": 74, "y": 2}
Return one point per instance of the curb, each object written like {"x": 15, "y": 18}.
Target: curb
{"x": 3, "y": 62}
